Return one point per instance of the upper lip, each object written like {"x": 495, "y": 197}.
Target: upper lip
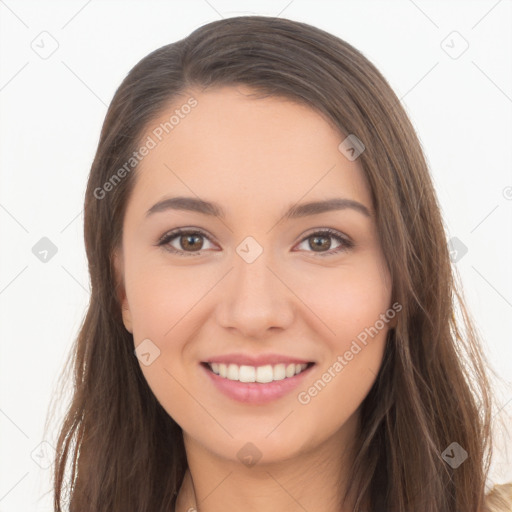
{"x": 260, "y": 360}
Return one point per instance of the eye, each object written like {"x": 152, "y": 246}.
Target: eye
{"x": 186, "y": 238}
{"x": 190, "y": 244}
{"x": 318, "y": 238}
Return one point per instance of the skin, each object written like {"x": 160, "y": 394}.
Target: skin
{"x": 255, "y": 157}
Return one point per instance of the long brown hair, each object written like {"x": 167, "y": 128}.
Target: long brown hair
{"x": 121, "y": 448}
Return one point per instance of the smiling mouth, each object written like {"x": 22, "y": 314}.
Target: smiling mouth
{"x": 258, "y": 374}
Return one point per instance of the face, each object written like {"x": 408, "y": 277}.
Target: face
{"x": 252, "y": 281}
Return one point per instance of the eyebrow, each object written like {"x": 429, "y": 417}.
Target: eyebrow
{"x": 295, "y": 211}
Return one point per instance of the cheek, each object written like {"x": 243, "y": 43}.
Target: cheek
{"x": 336, "y": 391}
{"x": 168, "y": 308}
{"x": 160, "y": 298}
{"x": 162, "y": 306}
{"x": 348, "y": 299}
{"x": 352, "y": 309}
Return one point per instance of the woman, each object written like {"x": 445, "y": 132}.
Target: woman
{"x": 265, "y": 372}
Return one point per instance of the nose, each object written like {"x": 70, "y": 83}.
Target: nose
{"x": 255, "y": 298}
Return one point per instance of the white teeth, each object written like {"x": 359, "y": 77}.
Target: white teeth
{"x": 232, "y": 372}
{"x": 247, "y": 374}
{"x": 262, "y": 374}
{"x": 279, "y": 372}
{"x": 290, "y": 370}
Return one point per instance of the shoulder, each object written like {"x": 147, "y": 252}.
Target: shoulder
{"x": 499, "y": 498}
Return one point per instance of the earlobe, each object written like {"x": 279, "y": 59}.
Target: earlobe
{"x": 121, "y": 291}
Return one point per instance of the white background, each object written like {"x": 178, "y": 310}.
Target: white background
{"x": 52, "y": 110}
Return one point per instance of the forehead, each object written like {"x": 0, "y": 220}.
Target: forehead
{"x": 233, "y": 147}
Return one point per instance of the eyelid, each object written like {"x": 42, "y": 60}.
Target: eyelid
{"x": 346, "y": 241}
{"x": 173, "y": 233}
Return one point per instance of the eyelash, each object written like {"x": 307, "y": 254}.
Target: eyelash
{"x": 165, "y": 239}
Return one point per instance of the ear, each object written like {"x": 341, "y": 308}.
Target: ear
{"x": 118, "y": 262}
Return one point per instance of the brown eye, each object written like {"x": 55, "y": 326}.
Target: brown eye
{"x": 320, "y": 242}
{"x": 190, "y": 242}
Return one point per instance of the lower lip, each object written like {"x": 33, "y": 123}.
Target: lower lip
{"x": 256, "y": 392}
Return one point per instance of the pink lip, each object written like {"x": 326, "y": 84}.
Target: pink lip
{"x": 261, "y": 360}
{"x": 255, "y": 393}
